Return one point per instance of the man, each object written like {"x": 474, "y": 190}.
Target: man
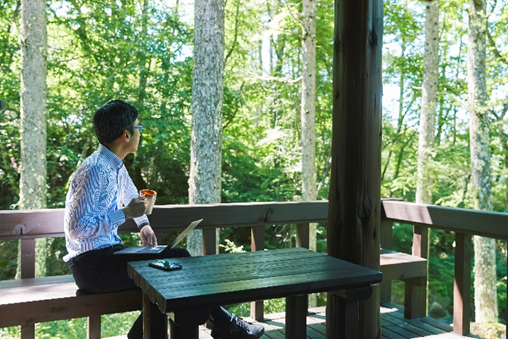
{"x": 101, "y": 197}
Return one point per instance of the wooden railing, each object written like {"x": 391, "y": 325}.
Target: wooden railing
{"x": 465, "y": 223}
{"x": 28, "y": 225}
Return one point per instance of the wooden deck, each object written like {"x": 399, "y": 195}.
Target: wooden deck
{"x": 394, "y": 326}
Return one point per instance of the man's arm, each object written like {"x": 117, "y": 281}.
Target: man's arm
{"x": 88, "y": 205}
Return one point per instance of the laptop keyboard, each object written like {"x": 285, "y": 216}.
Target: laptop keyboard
{"x": 152, "y": 249}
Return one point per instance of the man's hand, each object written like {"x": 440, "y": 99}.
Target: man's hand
{"x": 148, "y": 237}
{"x": 135, "y": 208}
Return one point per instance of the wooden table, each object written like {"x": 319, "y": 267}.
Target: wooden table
{"x": 241, "y": 277}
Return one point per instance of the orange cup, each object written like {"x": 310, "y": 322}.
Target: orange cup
{"x": 150, "y": 196}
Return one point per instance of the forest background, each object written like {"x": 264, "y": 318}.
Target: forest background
{"x": 98, "y": 51}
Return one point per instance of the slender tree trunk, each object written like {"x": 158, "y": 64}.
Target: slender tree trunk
{"x": 33, "y": 115}
{"x": 308, "y": 107}
{"x": 427, "y": 123}
{"x": 207, "y": 96}
{"x": 429, "y": 103}
{"x": 308, "y": 115}
{"x": 485, "y": 263}
{"x": 354, "y": 212}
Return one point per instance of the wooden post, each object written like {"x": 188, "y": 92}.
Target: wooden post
{"x": 354, "y": 211}
{"x": 209, "y": 241}
{"x": 27, "y": 271}
{"x": 257, "y": 242}
{"x": 386, "y": 238}
{"x": 303, "y": 235}
{"x": 462, "y": 284}
{"x": 27, "y": 258}
{"x": 296, "y": 317}
{"x": 93, "y": 327}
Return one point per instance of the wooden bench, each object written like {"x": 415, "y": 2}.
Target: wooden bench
{"x": 29, "y": 301}
{"x": 412, "y": 270}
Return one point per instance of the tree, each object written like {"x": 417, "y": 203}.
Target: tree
{"x": 308, "y": 114}
{"x": 427, "y": 123}
{"x": 33, "y": 115}
{"x": 207, "y": 97}
{"x": 485, "y": 256}
{"x": 308, "y": 109}
{"x": 429, "y": 103}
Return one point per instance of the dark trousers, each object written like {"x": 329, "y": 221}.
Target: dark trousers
{"x": 100, "y": 271}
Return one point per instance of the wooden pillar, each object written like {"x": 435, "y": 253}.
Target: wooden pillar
{"x": 462, "y": 284}
{"x": 93, "y": 327}
{"x": 303, "y": 235}
{"x": 209, "y": 241}
{"x": 354, "y": 211}
{"x": 257, "y": 244}
{"x": 386, "y": 238}
{"x": 27, "y": 271}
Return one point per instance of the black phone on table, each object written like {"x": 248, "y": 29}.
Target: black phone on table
{"x": 165, "y": 265}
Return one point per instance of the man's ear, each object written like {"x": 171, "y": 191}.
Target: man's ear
{"x": 126, "y": 136}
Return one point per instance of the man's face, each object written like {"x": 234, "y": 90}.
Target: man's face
{"x": 134, "y": 139}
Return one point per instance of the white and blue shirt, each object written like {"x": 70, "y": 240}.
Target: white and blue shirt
{"x": 99, "y": 188}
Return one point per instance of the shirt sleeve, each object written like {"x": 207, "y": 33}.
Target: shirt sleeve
{"x": 90, "y": 214}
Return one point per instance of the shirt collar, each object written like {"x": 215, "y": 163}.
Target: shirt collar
{"x": 114, "y": 161}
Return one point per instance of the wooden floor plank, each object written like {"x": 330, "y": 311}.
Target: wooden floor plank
{"x": 393, "y": 325}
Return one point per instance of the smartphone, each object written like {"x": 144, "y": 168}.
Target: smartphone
{"x": 165, "y": 265}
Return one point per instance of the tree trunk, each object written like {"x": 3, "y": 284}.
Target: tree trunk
{"x": 426, "y": 143}
{"x": 354, "y": 212}
{"x": 308, "y": 109}
{"x": 429, "y": 103}
{"x": 207, "y": 95}
{"x": 33, "y": 114}
{"x": 308, "y": 115}
{"x": 485, "y": 256}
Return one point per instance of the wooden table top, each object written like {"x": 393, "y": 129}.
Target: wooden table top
{"x": 241, "y": 277}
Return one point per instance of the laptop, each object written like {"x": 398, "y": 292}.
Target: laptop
{"x": 160, "y": 248}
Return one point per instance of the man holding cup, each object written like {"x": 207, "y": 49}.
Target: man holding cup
{"x": 102, "y": 197}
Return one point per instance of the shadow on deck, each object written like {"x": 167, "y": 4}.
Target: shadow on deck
{"x": 393, "y": 324}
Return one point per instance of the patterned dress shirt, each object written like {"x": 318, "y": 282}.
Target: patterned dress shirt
{"x": 99, "y": 188}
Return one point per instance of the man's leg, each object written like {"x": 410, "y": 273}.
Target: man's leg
{"x": 229, "y": 326}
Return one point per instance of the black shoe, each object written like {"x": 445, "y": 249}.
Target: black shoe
{"x": 238, "y": 329}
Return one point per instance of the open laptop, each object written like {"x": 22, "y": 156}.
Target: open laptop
{"x": 158, "y": 249}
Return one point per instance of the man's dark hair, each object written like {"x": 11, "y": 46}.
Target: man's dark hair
{"x": 112, "y": 119}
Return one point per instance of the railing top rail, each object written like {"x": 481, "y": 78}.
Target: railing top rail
{"x": 484, "y": 223}
{"x": 49, "y": 222}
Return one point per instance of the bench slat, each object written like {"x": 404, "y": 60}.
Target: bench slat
{"x": 30, "y": 301}
{"x": 397, "y": 265}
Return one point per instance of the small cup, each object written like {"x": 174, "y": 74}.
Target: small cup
{"x": 150, "y": 196}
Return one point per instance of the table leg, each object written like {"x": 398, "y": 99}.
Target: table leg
{"x": 296, "y": 316}
{"x": 155, "y": 323}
